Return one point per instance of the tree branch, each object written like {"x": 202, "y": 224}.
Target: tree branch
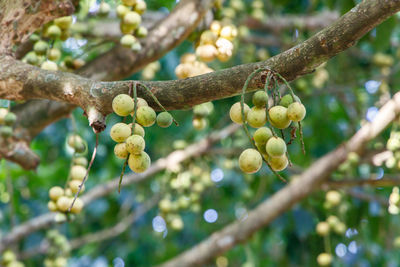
{"x": 284, "y": 199}
{"x": 387, "y": 181}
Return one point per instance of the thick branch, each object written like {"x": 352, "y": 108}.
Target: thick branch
{"x": 285, "y": 198}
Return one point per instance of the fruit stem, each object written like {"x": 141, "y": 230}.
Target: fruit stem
{"x": 303, "y": 149}
{"x": 122, "y": 174}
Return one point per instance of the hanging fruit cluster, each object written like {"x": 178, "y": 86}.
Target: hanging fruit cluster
{"x": 200, "y": 113}
{"x": 190, "y": 67}
{"x": 61, "y": 199}
{"x": 58, "y": 251}
{"x": 283, "y": 113}
{"x": 130, "y": 15}
{"x": 394, "y": 201}
{"x": 8, "y": 259}
{"x": 130, "y": 137}
{"x": 7, "y": 120}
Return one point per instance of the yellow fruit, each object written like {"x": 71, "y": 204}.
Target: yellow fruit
{"x": 120, "y": 131}
{"x": 262, "y": 135}
{"x": 56, "y": 192}
{"x": 140, "y": 6}
{"x": 80, "y": 161}
{"x": 296, "y": 111}
{"x": 8, "y": 256}
{"x": 138, "y": 129}
{"x": 63, "y": 203}
{"x": 78, "y": 172}
{"x": 63, "y": 22}
{"x": 199, "y": 123}
{"x": 188, "y": 58}
{"x": 49, "y": 65}
{"x": 216, "y": 27}
{"x": 146, "y": 116}
{"x": 135, "y": 144}
{"x": 122, "y": 105}
{"x": 3, "y": 113}
{"x": 208, "y": 37}
{"x": 206, "y": 52}
{"x": 132, "y": 18}
{"x": 278, "y": 163}
{"x": 257, "y": 117}
{"x": 323, "y": 228}
{"x": 236, "y": 112}
{"x": 333, "y": 197}
{"x": 165, "y": 205}
{"x": 278, "y": 117}
{"x": 121, "y": 11}
{"x": 340, "y": 228}
{"x": 128, "y": 40}
{"x": 324, "y": 259}
{"x": 78, "y": 206}
{"x": 54, "y": 54}
{"x": 140, "y": 162}
{"x": 276, "y": 147}
{"x": 120, "y": 151}
{"x": 177, "y": 223}
{"x": 129, "y": 2}
{"x": 332, "y": 220}
{"x": 52, "y": 206}
{"x": 250, "y": 160}
{"x": 74, "y": 186}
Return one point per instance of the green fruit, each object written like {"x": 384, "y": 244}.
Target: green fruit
{"x": 122, "y": 105}
{"x": 128, "y": 40}
{"x": 78, "y": 172}
{"x": 8, "y": 256}
{"x": 139, "y": 163}
{"x": 165, "y": 205}
{"x": 126, "y": 29}
{"x": 250, "y": 160}
{"x": 138, "y": 129}
{"x": 141, "y": 32}
{"x": 63, "y": 22}
{"x": 296, "y": 111}
{"x": 49, "y": 65}
{"x": 323, "y": 228}
{"x": 56, "y": 192}
{"x": 121, "y": 11}
{"x": 129, "y": 2}
{"x": 82, "y": 161}
{"x": 261, "y": 149}
{"x": 340, "y": 228}
{"x": 120, "y": 131}
{"x": 40, "y": 47}
{"x": 77, "y": 143}
{"x": 287, "y": 99}
{"x": 54, "y": 54}
{"x": 164, "y": 119}
{"x": 262, "y": 135}
{"x": 278, "y": 163}
{"x": 199, "y": 123}
{"x": 6, "y": 131}
{"x": 32, "y": 58}
{"x": 146, "y": 116}
{"x": 34, "y": 37}
{"x": 135, "y": 144}
{"x": 136, "y": 47}
{"x": 236, "y": 112}
{"x": 260, "y": 99}
{"x": 140, "y": 6}
{"x": 10, "y": 118}
{"x": 203, "y": 110}
{"x": 132, "y": 19}
{"x": 120, "y": 151}
{"x": 278, "y": 117}
{"x": 257, "y": 117}
{"x": 54, "y": 32}
{"x": 276, "y": 147}
{"x": 324, "y": 259}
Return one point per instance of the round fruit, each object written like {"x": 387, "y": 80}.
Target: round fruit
{"x": 276, "y": 147}
{"x": 260, "y": 99}
{"x": 146, "y": 116}
{"x": 333, "y": 197}
{"x": 132, "y": 19}
{"x": 82, "y": 161}
{"x": 177, "y": 223}
{"x": 250, "y": 161}
{"x": 74, "y": 186}
{"x": 6, "y": 131}
{"x": 138, "y": 129}
{"x": 140, "y": 6}
{"x": 256, "y": 117}
{"x": 63, "y": 22}
{"x": 206, "y": 52}
{"x": 135, "y": 144}
{"x": 278, "y": 163}
{"x": 287, "y": 99}
{"x": 32, "y": 58}
{"x": 262, "y": 135}
{"x": 165, "y": 205}
{"x": 296, "y": 111}
{"x": 120, "y": 131}
{"x": 120, "y": 151}
{"x": 78, "y": 172}
{"x": 139, "y": 163}
{"x": 40, "y": 47}
{"x": 52, "y": 206}
{"x": 164, "y": 119}
{"x": 63, "y": 203}
{"x": 199, "y": 123}
{"x": 54, "y": 32}
{"x": 76, "y": 142}
{"x": 340, "y": 228}
{"x": 236, "y": 112}
{"x": 324, "y": 259}
{"x": 10, "y": 118}
{"x": 54, "y": 54}
{"x": 129, "y": 2}
{"x": 8, "y": 256}
{"x": 56, "y": 192}
{"x": 141, "y": 32}
{"x": 122, "y": 105}
{"x": 49, "y": 65}
{"x": 128, "y": 40}
{"x": 104, "y": 9}
{"x": 332, "y": 220}
{"x": 323, "y": 228}
{"x": 3, "y": 113}
{"x": 78, "y": 206}
{"x": 122, "y": 10}
{"x": 278, "y": 117}
{"x": 261, "y": 149}
{"x": 141, "y": 103}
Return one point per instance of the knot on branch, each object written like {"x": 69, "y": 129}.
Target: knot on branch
{"x": 96, "y": 120}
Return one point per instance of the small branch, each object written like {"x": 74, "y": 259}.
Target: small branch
{"x": 384, "y": 182}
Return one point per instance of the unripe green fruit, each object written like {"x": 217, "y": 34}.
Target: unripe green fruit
{"x": 8, "y": 256}
{"x": 136, "y": 47}
{"x": 323, "y": 228}
{"x": 164, "y": 119}
{"x": 139, "y": 163}
{"x": 56, "y": 192}
{"x": 138, "y": 129}
{"x": 199, "y": 123}
{"x": 140, "y": 6}
{"x": 82, "y": 161}
{"x": 296, "y": 111}
{"x": 236, "y": 112}
{"x": 276, "y": 147}
{"x": 203, "y": 110}
{"x": 63, "y": 203}
{"x": 129, "y": 2}
{"x": 278, "y": 117}
{"x": 287, "y": 99}
{"x": 278, "y": 163}
{"x": 3, "y": 113}
{"x": 256, "y": 117}
{"x": 34, "y": 37}
{"x": 121, "y": 11}
{"x": 78, "y": 172}
{"x": 74, "y": 186}
{"x": 260, "y": 99}
{"x": 120, "y": 131}
{"x": 146, "y": 116}
{"x": 16, "y": 264}
{"x": 49, "y": 65}
{"x": 333, "y": 197}
{"x": 52, "y": 206}
{"x": 78, "y": 206}
{"x": 54, "y": 32}
{"x": 122, "y": 105}
{"x": 135, "y": 144}
{"x": 104, "y": 9}
{"x": 250, "y": 160}
{"x": 54, "y": 54}
{"x": 141, "y": 32}
{"x": 120, "y": 151}
{"x": 126, "y": 29}
{"x": 262, "y": 135}
{"x": 396, "y": 242}
{"x": 40, "y": 47}
{"x": 63, "y": 22}
{"x": 324, "y": 259}
{"x": 128, "y": 40}
{"x": 132, "y": 19}
{"x": 32, "y": 58}
{"x": 6, "y": 131}
{"x": 10, "y": 118}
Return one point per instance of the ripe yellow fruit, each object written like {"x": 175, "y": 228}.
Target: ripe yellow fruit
{"x": 146, "y": 116}
{"x": 63, "y": 22}
{"x": 3, "y": 113}
{"x": 296, "y": 111}
{"x": 140, "y": 162}
{"x": 52, "y": 206}
{"x": 262, "y": 135}
{"x": 165, "y": 205}
{"x": 121, "y": 11}
{"x": 236, "y": 112}
{"x": 199, "y": 123}
{"x": 324, "y": 259}
{"x": 54, "y": 54}
{"x": 122, "y": 105}
{"x": 332, "y": 220}
{"x": 8, "y": 256}
{"x": 63, "y": 203}
{"x": 76, "y": 142}
{"x": 128, "y": 40}
{"x": 257, "y": 117}
{"x": 278, "y": 117}
{"x": 208, "y": 37}
{"x": 53, "y": 32}
{"x": 188, "y": 58}
{"x": 49, "y": 65}
{"x": 78, "y": 172}
{"x": 138, "y": 129}
{"x": 340, "y": 228}
{"x": 140, "y": 6}
{"x": 56, "y": 192}
{"x": 278, "y": 163}
{"x": 141, "y": 103}
{"x": 120, "y": 151}
{"x": 276, "y": 147}
{"x": 132, "y": 18}
{"x": 333, "y": 197}
{"x": 120, "y": 131}
{"x": 129, "y": 2}
{"x": 206, "y": 52}
{"x": 74, "y": 186}
{"x": 323, "y": 228}
{"x": 250, "y": 160}
{"x": 135, "y": 144}
{"x": 177, "y": 223}
{"x": 80, "y": 161}
{"x": 78, "y": 206}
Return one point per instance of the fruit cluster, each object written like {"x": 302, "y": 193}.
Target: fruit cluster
{"x": 61, "y": 199}
{"x": 190, "y": 67}
{"x": 58, "y": 251}
{"x": 130, "y": 137}
{"x": 200, "y": 113}
{"x": 8, "y": 259}
{"x": 149, "y": 72}
{"x": 394, "y": 201}
{"x": 393, "y": 145}
{"x": 130, "y": 15}
{"x": 7, "y": 120}
{"x": 269, "y": 146}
